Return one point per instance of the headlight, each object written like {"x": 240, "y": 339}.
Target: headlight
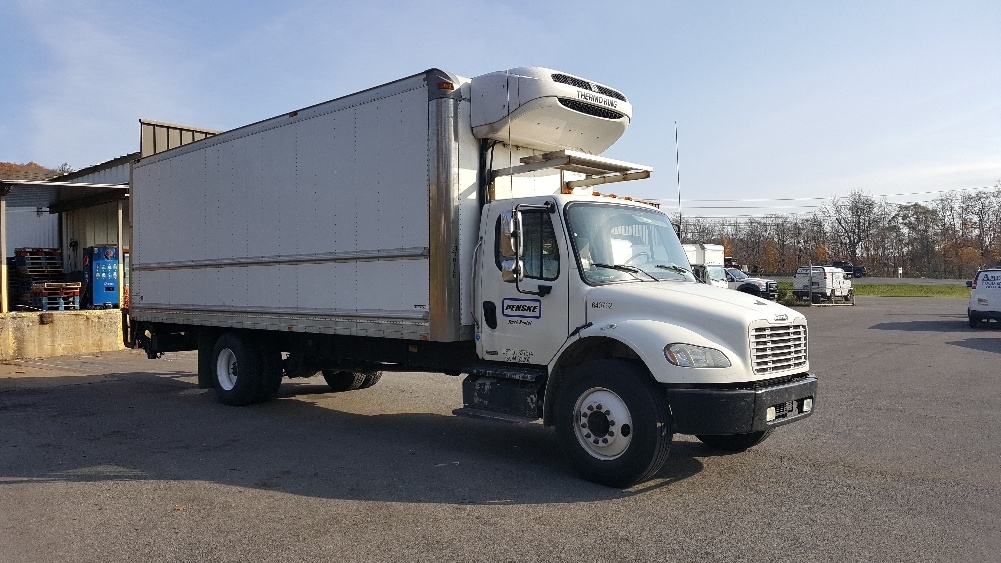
{"x": 692, "y": 356}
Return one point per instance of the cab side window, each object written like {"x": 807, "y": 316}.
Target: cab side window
{"x": 541, "y": 253}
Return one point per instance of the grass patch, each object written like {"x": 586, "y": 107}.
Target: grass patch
{"x": 912, "y": 290}
{"x": 898, "y": 290}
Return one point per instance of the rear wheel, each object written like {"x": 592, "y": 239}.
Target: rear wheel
{"x": 371, "y": 378}
{"x": 816, "y": 298}
{"x": 343, "y": 380}
{"x": 974, "y": 319}
{"x": 271, "y": 379}
{"x": 849, "y": 295}
{"x": 734, "y": 442}
{"x": 613, "y": 423}
{"x": 238, "y": 370}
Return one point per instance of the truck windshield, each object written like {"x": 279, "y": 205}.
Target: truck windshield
{"x": 715, "y": 273}
{"x": 617, "y": 243}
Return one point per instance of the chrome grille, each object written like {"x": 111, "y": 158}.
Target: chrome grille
{"x": 778, "y": 348}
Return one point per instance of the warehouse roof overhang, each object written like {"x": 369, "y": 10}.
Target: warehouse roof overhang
{"x": 59, "y": 196}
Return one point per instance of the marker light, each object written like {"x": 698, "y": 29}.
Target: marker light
{"x": 692, "y": 356}
{"x": 770, "y": 414}
{"x": 807, "y": 405}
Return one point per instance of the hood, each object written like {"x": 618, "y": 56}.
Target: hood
{"x": 723, "y": 313}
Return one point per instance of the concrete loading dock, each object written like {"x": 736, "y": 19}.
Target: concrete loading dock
{"x": 81, "y": 203}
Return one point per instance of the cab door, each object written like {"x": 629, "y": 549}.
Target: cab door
{"x": 523, "y": 322}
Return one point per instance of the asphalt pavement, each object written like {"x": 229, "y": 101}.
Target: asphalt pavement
{"x": 114, "y": 457}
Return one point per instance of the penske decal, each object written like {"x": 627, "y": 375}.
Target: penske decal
{"x": 522, "y": 308}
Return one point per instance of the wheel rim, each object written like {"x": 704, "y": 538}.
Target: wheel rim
{"x": 225, "y": 369}
{"x": 602, "y": 423}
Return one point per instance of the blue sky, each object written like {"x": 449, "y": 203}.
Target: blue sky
{"x": 773, "y": 100}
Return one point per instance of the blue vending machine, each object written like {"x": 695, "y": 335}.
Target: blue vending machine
{"x": 100, "y": 276}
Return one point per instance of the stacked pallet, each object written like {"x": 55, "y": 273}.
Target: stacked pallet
{"x": 61, "y": 296}
{"x": 30, "y": 270}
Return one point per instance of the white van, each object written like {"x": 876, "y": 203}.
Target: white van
{"x": 985, "y": 296}
{"x": 825, "y": 282}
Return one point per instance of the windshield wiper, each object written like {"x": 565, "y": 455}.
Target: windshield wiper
{"x": 673, "y": 268}
{"x": 626, "y": 268}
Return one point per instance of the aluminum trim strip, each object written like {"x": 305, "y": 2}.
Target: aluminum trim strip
{"x": 402, "y": 330}
{"x": 278, "y": 260}
{"x": 282, "y": 312}
{"x": 444, "y": 223}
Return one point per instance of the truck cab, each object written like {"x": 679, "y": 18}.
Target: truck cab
{"x": 600, "y": 292}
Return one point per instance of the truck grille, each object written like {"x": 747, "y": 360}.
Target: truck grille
{"x": 778, "y": 348}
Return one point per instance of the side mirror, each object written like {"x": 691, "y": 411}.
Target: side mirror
{"x": 512, "y": 271}
{"x": 969, "y": 283}
{"x": 512, "y": 268}
{"x": 510, "y": 235}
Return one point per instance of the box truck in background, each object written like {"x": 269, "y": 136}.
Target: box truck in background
{"x": 707, "y": 263}
{"x": 446, "y": 224}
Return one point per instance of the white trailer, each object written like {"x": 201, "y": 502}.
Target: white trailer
{"x": 445, "y": 224}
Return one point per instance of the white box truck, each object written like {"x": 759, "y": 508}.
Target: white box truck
{"x": 446, "y": 224}
{"x": 707, "y": 263}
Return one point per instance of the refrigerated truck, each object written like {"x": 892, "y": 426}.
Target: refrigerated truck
{"x": 445, "y": 224}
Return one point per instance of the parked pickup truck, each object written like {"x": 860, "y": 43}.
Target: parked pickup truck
{"x": 737, "y": 279}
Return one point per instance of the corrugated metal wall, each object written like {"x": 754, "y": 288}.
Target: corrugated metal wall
{"x": 92, "y": 226}
{"x": 158, "y": 137}
{"x": 112, "y": 175}
{"x": 26, "y": 228}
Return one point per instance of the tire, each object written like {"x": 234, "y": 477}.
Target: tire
{"x": 734, "y": 442}
{"x": 371, "y": 378}
{"x": 751, "y": 291}
{"x": 271, "y": 379}
{"x": 343, "y": 380}
{"x": 849, "y": 295}
{"x": 206, "y": 359}
{"x": 613, "y": 423}
{"x": 974, "y": 319}
{"x": 830, "y": 298}
{"x": 238, "y": 370}
{"x": 816, "y": 298}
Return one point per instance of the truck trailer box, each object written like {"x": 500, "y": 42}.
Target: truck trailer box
{"x": 341, "y": 218}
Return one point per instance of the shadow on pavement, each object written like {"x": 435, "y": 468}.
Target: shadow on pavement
{"x": 943, "y": 325}
{"x": 981, "y": 344}
{"x": 138, "y": 426}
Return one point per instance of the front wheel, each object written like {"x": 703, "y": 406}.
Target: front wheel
{"x": 734, "y": 442}
{"x": 613, "y": 423}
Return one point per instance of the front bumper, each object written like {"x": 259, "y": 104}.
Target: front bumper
{"x": 738, "y": 411}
